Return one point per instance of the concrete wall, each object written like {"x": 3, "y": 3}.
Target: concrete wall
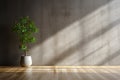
{"x": 72, "y": 32}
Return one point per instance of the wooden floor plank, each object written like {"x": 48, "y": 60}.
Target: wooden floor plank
{"x": 60, "y": 73}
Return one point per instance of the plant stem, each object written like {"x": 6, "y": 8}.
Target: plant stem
{"x": 25, "y": 53}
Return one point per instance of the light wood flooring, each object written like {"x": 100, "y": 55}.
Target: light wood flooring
{"x": 60, "y": 73}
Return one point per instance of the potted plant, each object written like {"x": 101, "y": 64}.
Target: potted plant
{"x": 25, "y": 28}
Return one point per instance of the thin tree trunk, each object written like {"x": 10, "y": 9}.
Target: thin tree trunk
{"x": 25, "y": 53}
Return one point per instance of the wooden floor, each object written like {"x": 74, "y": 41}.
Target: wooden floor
{"x": 60, "y": 73}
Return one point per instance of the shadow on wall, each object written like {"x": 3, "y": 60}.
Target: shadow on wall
{"x": 67, "y": 53}
{"x": 110, "y": 58}
{"x": 51, "y": 16}
{"x": 60, "y": 15}
{"x": 56, "y": 15}
{"x": 9, "y": 55}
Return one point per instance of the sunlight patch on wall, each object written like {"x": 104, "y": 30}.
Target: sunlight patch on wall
{"x": 88, "y": 41}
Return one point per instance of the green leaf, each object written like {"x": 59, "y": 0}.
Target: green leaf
{"x": 32, "y": 39}
{"x": 25, "y": 28}
{"x": 23, "y": 47}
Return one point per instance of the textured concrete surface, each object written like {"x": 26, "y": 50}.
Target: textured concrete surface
{"x": 72, "y": 32}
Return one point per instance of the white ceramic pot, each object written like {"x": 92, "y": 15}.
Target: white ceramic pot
{"x": 26, "y": 61}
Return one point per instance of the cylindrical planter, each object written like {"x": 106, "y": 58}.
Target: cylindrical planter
{"x": 26, "y": 61}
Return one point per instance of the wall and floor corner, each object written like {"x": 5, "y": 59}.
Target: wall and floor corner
{"x": 72, "y": 32}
